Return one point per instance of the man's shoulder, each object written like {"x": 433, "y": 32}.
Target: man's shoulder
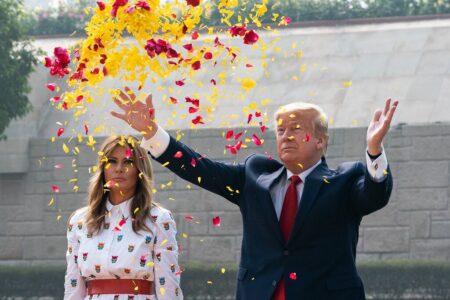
{"x": 264, "y": 162}
{"x": 356, "y": 167}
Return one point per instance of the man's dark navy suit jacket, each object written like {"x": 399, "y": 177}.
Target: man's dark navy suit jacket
{"x": 322, "y": 247}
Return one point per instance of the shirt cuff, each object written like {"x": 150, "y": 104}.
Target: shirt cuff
{"x": 377, "y": 167}
{"x": 157, "y": 144}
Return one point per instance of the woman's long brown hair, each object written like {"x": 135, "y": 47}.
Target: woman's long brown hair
{"x": 97, "y": 193}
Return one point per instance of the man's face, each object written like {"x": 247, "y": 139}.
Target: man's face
{"x": 297, "y": 145}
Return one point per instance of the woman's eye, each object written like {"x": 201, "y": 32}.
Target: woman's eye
{"x": 112, "y": 161}
{"x": 129, "y": 162}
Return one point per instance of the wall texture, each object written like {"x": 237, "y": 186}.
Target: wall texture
{"x": 414, "y": 225}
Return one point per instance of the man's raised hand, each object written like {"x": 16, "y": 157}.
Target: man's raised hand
{"x": 379, "y": 126}
{"x": 140, "y": 116}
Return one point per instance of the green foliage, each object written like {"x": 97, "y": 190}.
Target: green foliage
{"x": 387, "y": 280}
{"x": 316, "y": 10}
{"x": 63, "y": 19}
{"x": 17, "y": 58}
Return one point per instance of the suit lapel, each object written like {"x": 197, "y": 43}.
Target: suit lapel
{"x": 266, "y": 181}
{"x": 313, "y": 183}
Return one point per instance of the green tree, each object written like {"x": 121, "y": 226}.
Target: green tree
{"x": 17, "y": 59}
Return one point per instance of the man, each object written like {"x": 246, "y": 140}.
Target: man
{"x": 300, "y": 218}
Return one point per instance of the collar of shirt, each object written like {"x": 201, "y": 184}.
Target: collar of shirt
{"x": 122, "y": 208}
{"x": 303, "y": 174}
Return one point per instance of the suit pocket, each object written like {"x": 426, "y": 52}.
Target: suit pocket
{"x": 344, "y": 282}
{"x": 241, "y": 273}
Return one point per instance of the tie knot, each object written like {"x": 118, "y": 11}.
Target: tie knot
{"x": 295, "y": 180}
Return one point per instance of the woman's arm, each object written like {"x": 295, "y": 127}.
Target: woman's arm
{"x": 165, "y": 256}
{"x": 74, "y": 284}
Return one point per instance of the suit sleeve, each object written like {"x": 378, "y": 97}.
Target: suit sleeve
{"x": 224, "y": 179}
{"x": 167, "y": 270}
{"x": 74, "y": 284}
{"x": 369, "y": 194}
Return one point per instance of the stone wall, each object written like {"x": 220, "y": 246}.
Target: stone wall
{"x": 414, "y": 225}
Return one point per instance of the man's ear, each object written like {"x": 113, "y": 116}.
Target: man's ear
{"x": 320, "y": 142}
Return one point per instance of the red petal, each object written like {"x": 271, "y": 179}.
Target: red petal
{"x": 179, "y": 82}
{"x": 307, "y": 138}
{"x": 189, "y": 218}
{"x": 174, "y": 101}
{"x": 293, "y": 276}
{"x": 86, "y": 129}
{"x": 256, "y": 140}
{"x": 188, "y": 47}
{"x": 198, "y": 120}
{"x": 251, "y": 37}
{"x": 238, "y": 145}
{"x": 258, "y": 114}
{"x": 262, "y": 127}
{"x": 60, "y": 131}
{"x": 48, "y": 62}
{"x": 216, "y": 221}
{"x": 194, "y": 35}
{"x": 196, "y": 65}
{"x": 101, "y": 5}
{"x": 249, "y": 118}
{"x": 193, "y": 162}
{"x": 249, "y": 65}
{"x": 208, "y": 55}
{"x": 238, "y": 135}
{"x": 179, "y": 154}
{"x": 55, "y": 188}
{"x": 51, "y": 86}
{"x": 268, "y": 155}
{"x": 229, "y": 134}
{"x": 55, "y": 99}
{"x": 193, "y": 109}
{"x": 213, "y": 81}
{"x": 79, "y": 98}
{"x": 193, "y": 2}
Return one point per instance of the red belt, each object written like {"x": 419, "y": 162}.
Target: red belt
{"x": 120, "y": 286}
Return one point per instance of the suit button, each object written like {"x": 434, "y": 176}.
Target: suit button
{"x": 286, "y": 252}
{"x": 274, "y": 283}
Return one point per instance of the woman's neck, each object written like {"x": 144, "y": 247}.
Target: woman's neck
{"x": 117, "y": 197}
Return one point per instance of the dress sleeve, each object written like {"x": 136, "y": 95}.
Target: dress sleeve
{"x": 166, "y": 268}
{"x": 74, "y": 284}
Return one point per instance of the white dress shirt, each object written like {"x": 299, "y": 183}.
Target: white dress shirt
{"x": 158, "y": 144}
{"x": 121, "y": 253}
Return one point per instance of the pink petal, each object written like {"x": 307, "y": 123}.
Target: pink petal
{"x": 178, "y": 154}
{"x": 293, "y": 276}
{"x": 58, "y": 166}
{"x": 193, "y": 162}
{"x": 189, "y": 217}
{"x": 256, "y": 140}
{"x": 55, "y": 188}
{"x": 307, "y": 138}
{"x": 128, "y": 153}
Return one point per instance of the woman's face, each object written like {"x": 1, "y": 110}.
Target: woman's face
{"x": 121, "y": 174}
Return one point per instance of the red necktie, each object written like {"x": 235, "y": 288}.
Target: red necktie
{"x": 287, "y": 219}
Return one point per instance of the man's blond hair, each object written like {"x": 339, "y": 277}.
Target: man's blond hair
{"x": 320, "y": 120}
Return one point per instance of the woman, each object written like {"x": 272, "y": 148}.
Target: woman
{"x": 122, "y": 245}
